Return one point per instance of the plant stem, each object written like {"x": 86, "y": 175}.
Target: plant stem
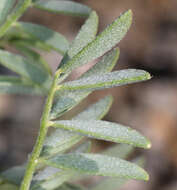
{"x": 20, "y": 8}
{"x": 33, "y": 161}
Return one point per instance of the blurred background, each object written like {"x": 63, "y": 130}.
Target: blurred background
{"x": 150, "y": 107}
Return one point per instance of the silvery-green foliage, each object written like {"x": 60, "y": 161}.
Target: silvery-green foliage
{"x": 5, "y": 7}
{"x": 65, "y": 152}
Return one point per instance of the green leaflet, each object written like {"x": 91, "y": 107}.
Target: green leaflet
{"x": 50, "y": 178}
{"x": 14, "y": 85}
{"x": 108, "y": 80}
{"x": 64, "y": 7}
{"x": 114, "y": 183}
{"x": 14, "y": 175}
{"x": 25, "y": 68}
{"x": 27, "y": 41}
{"x": 16, "y": 13}
{"x": 52, "y": 39}
{"x": 94, "y": 164}
{"x": 5, "y": 7}
{"x": 105, "y": 65}
{"x": 103, "y": 43}
{"x": 66, "y": 100}
{"x": 61, "y": 139}
{"x": 104, "y": 130}
{"x": 120, "y": 151}
{"x": 33, "y": 56}
{"x": 86, "y": 35}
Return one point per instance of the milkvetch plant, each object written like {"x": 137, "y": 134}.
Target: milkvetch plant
{"x": 65, "y": 152}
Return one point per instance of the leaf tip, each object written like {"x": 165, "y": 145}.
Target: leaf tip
{"x": 148, "y": 76}
{"x": 110, "y": 97}
{"x": 94, "y": 13}
{"x": 130, "y": 12}
{"x": 129, "y": 15}
{"x": 146, "y": 176}
{"x": 149, "y": 145}
{"x": 117, "y": 52}
{"x": 110, "y": 100}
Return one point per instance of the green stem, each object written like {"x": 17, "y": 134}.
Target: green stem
{"x": 33, "y": 161}
{"x": 20, "y": 8}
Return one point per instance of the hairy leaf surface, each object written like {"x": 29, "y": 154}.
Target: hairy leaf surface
{"x": 50, "y": 177}
{"x": 86, "y": 35}
{"x": 114, "y": 183}
{"x": 104, "y": 130}
{"x": 103, "y": 43}
{"x": 108, "y": 80}
{"x": 61, "y": 139}
{"x": 95, "y": 164}
{"x": 66, "y": 100}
